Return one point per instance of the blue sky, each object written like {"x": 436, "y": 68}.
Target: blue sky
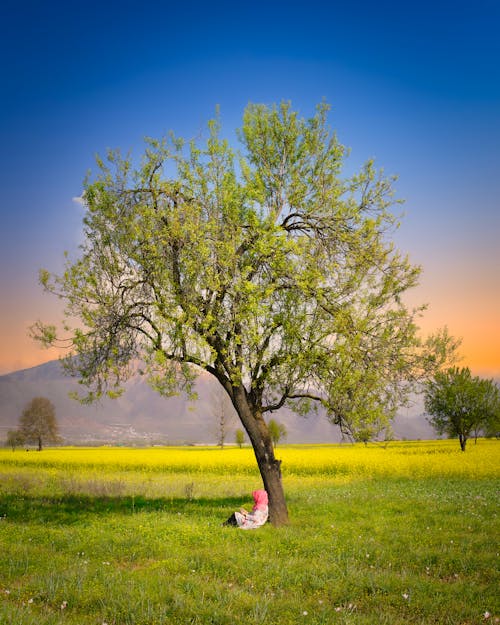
{"x": 414, "y": 85}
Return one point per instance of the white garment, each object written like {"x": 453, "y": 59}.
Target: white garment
{"x": 252, "y": 520}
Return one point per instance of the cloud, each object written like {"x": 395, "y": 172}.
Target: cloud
{"x": 79, "y": 199}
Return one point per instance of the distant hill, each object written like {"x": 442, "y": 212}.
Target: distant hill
{"x": 142, "y": 416}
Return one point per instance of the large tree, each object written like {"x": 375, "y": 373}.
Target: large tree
{"x": 460, "y": 403}
{"x": 38, "y": 422}
{"x": 268, "y": 269}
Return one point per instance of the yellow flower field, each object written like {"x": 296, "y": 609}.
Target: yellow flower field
{"x": 397, "y": 459}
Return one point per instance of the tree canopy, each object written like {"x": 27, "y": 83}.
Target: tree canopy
{"x": 267, "y": 268}
{"x": 460, "y": 403}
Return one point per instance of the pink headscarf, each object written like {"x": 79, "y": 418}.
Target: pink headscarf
{"x": 260, "y": 499}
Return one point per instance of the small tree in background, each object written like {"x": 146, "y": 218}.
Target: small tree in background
{"x": 373, "y": 433}
{"x": 240, "y": 438}
{"x": 15, "y": 439}
{"x": 460, "y": 404}
{"x": 492, "y": 426}
{"x": 277, "y": 431}
{"x": 365, "y": 435}
{"x": 223, "y": 413}
{"x": 38, "y": 422}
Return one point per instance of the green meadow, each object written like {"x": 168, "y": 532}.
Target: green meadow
{"x": 402, "y": 534}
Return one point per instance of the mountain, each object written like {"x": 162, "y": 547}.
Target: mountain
{"x": 142, "y": 416}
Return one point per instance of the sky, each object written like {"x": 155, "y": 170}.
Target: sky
{"x": 416, "y": 86}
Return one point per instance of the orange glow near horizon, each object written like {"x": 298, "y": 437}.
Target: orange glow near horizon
{"x": 480, "y": 348}
{"x": 477, "y": 326}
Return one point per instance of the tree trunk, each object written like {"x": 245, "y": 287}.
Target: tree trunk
{"x": 463, "y": 441}
{"x": 269, "y": 466}
{"x": 39, "y": 443}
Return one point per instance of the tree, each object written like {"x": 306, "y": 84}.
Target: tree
{"x": 492, "y": 426}
{"x": 222, "y": 413}
{"x": 277, "y": 431}
{"x": 373, "y": 433}
{"x": 15, "y": 439}
{"x": 38, "y": 422}
{"x": 365, "y": 435}
{"x": 239, "y": 438}
{"x": 460, "y": 403}
{"x": 269, "y": 271}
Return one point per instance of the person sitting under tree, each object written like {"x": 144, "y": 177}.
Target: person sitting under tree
{"x": 254, "y": 519}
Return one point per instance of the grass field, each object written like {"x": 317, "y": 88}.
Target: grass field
{"x": 401, "y": 534}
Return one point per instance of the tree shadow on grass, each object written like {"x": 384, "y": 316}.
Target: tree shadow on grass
{"x": 74, "y": 509}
